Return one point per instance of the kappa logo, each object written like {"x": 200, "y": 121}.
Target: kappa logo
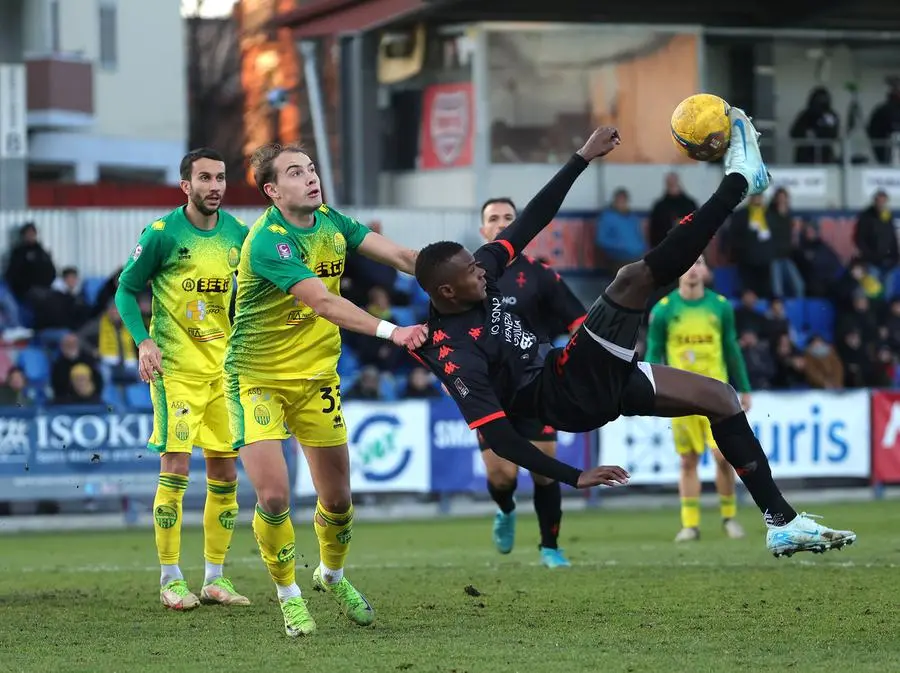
{"x": 449, "y": 124}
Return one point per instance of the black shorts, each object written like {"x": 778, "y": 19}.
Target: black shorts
{"x": 596, "y": 378}
{"x": 532, "y": 429}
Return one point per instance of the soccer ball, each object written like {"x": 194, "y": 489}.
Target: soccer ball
{"x": 700, "y": 127}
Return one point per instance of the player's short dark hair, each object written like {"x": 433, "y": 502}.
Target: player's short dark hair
{"x": 500, "y": 199}
{"x": 431, "y": 264}
{"x": 263, "y": 160}
{"x": 187, "y": 162}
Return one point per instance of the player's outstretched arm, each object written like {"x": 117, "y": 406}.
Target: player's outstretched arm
{"x": 345, "y": 314}
{"x": 382, "y": 249}
{"x": 541, "y": 210}
{"x": 507, "y": 443}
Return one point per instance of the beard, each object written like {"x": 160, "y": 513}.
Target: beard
{"x": 200, "y": 204}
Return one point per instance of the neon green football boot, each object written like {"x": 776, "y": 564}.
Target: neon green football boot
{"x": 352, "y": 602}
{"x": 297, "y": 620}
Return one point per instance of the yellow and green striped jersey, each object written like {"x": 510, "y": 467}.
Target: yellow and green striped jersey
{"x": 697, "y": 335}
{"x": 191, "y": 276}
{"x": 275, "y": 336}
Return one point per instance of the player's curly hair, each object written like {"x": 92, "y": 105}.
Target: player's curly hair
{"x": 431, "y": 264}
{"x": 263, "y": 160}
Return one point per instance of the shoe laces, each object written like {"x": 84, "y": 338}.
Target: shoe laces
{"x": 178, "y": 587}
{"x": 811, "y": 516}
{"x": 295, "y": 608}
{"x": 224, "y": 583}
{"x": 348, "y": 593}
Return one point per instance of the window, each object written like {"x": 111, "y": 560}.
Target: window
{"x": 109, "y": 52}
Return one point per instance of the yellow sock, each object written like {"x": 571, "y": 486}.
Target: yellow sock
{"x": 728, "y": 506}
{"x": 690, "y": 512}
{"x": 167, "y": 516}
{"x": 275, "y": 537}
{"x": 219, "y": 515}
{"x": 334, "y": 532}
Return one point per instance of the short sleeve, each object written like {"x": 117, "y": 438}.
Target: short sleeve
{"x": 276, "y": 258}
{"x": 353, "y": 231}
{"x": 146, "y": 259}
{"x": 494, "y": 257}
{"x": 467, "y": 380}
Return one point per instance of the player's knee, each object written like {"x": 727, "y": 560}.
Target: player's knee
{"x": 221, "y": 469}
{"x": 632, "y": 279}
{"x": 720, "y": 401}
{"x": 689, "y": 461}
{"x": 541, "y": 480}
{"x": 337, "y": 503}
{"x": 273, "y": 501}
{"x": 175, "y": 463}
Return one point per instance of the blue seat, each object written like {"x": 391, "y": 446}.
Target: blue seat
{"x": 137, "y": 396}
{"x": 819, "y": 318}
{"x": 796, "y": 312}
{"x": 36, "y": 365}
{"x": 403, "y": 315}
{"x": 112, "y": 396}
{"x": 726, "y": 281}
{"x": 91, "y": 288}
{"x": 348, "y": 363}
{"x": 387, "y": 386}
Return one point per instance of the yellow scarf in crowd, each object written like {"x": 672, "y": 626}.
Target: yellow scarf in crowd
{"x": 109, "y": 347}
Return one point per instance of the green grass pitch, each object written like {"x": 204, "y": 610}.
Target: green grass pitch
{"x": 633, "y": 602}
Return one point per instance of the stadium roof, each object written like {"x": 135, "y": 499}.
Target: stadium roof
{"x": 328, "y": 17}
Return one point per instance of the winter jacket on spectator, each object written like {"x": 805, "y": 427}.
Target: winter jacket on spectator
{"x": 876, "y": 239}
{"x": 817, "y": 262}
{"x": 822, "y": 365}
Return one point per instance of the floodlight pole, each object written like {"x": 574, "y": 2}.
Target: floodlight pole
{"x": 317, "y": 113}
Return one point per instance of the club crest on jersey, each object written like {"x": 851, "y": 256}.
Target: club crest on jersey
{"x": 340, "y": 243}
{"x": 449, "y": 125}
{"x": 234, "y": 257}
{"x": 284, "y": 250}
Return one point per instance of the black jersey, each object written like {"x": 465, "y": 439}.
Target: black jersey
{"x": 484, "y": 356}
{"x": 538, "y": 295}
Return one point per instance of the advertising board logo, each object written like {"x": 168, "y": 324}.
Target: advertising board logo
{"x": 375, "y": 446}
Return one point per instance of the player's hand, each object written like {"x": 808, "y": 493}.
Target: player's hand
{"x": 604, "y": 475}
{"x": 746, "y": 401}
{"x": 410, "y": 337}
{"x": 149, "y": 360}
{"x": 602, "y": 141}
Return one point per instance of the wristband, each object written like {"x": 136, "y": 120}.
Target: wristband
{"x": 385, "y": 329}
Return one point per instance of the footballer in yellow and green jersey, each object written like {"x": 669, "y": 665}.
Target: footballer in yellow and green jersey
{"x": 191, "y": 275}
{"x": 276, "y": 337}
{"x": 697, "y": 335}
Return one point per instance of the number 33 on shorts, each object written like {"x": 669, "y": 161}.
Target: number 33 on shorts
{"x": 309, "y": 410}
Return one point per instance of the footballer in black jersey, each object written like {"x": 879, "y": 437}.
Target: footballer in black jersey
{"x": 538, "y": 295}
{"x": 497, "y": 370}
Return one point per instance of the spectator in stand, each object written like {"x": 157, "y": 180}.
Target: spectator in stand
{"x": 819, "y": 124}
{"x": 362, "y": 273}
{"x": 856, "y": 362}
{"x": 371, "y": 350}
{"x": 876, "y": 239}
{"x": 83, "y": 387}
{"x": 673, "y": 205}
{"x": 618, "y": 235}
{"x": 861, "y": 317}
{"x": 778, "y": 323}
{"x": 752, "y": 248}
{"x": 115, "y": 348}
{"x": 71, "y": 354}
{"x": 789, "y": 365}
{"x": 884, "y": 367}
{"x": 758, "y": 358}
{"x": 822, "y": 365}
{"x": 420, "y": 385}
{"x": 857, "y": 280}
{"x": 64, "y": 306}
{"x": 885, "y": 122}
{"x": 747, "y": 317}
{"x": 892, "y": 324}
{"x": 817, "y": 262}
{"x": 367, "y": 386}
{"x": 781, "y": 224}
{"x": 14, "y": 391}
{"x": 30, "y": 271}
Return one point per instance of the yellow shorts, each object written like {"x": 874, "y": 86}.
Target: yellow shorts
{"x": 692, "y": 434}
{"x": 188, "y": 414}
{"x": 310, "y": 410}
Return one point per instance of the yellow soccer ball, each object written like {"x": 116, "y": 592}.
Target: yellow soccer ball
{"x": 700, "y": 127}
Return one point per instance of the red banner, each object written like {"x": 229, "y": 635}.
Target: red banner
{"x": 885, "y": 437}
{"x": 448, "y": 126}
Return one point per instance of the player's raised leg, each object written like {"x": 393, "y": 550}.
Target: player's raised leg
{"x": 219, "y": 516}
{"x": 664, "y": 391}
{"x": 329, "y": 467}
{"x": 502, "y": 481}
